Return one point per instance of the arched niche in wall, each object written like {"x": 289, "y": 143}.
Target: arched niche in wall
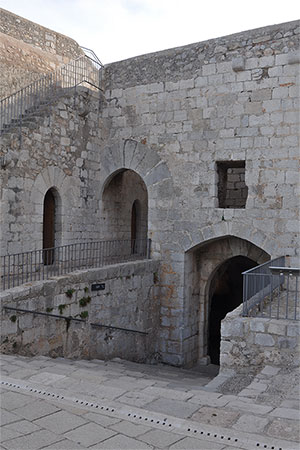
{"x": 124, "y": 212}
{"x": 51, "y": 224}
{"x": 213, "y": 287}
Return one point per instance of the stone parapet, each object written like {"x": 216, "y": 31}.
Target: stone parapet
{"x": 38, "y": 36}
{"x": 129, "y": 300}
{"x": 249, "y": 343}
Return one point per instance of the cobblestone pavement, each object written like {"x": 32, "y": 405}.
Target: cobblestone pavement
{"x": 64, "y": 404}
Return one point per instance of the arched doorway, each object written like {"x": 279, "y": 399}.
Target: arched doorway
{"x": 124, "y": 214}
{"x": 49, "y": 226}
{"x": 213, "y": 284}
{"x": 225, "y": 294}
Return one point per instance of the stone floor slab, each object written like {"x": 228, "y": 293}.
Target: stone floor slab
{"x": 7, "y": 434}
{"x": 60, "y": 421}
{"x": 64, "y": 444}
{"x": 46, "y": 378}
{"x": 216, "y": 416}
{"x": 284, "y": 429}
{"x": 129, "y": 429}
{"x": 172, "y": 407}
{"x": 121, "y": 442}
{"x": 89, "y": 434}
{"x": 250, "y": 423}
{"x": 105, "y": 421}
{"x": 13, "y": 400}
{"x": 160, "y": 439}
{"x": 139, "y": 399}
{"x": 23, "y": 426}
{"x": 195, "y": 444}
{"x": 36, "y": 410}
{"x": 8, "y": 417}
{"x": 33, "y": 441}
{"x": 286, "y": 413}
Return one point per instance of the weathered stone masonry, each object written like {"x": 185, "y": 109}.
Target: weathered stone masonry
{"x": 28, "y": 51}
{"x": 172, "y": 118}
{"x": 130, "y": 300}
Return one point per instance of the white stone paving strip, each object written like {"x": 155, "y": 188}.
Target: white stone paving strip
{"x": 188, "y": 428}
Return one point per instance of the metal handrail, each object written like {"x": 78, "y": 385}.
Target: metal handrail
{"x": 42, "y": 92}
{"x": 271, "y": 290}
{"x": 75, "y": 319}
{"x": 43, "y": 264}
{"x": 91, "y": 54}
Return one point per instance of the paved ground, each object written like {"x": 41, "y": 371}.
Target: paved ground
{"x": 63, "y": 404}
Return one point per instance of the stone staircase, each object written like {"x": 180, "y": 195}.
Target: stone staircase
{"x": 17, "y": 109}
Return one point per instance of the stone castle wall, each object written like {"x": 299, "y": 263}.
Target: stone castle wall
{"x": 129, "y": 300}
{"x": 249, "y": 343}
{"x": 28, "y": 51}
{"x": 172, "y": 117}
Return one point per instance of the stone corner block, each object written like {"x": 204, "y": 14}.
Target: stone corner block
{"x": 238, "y": 64}
{"x": 294, "y": 57}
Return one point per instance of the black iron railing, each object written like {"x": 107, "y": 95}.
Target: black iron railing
{"x": 43, "y": 264}
{"x": 271, "y": 290}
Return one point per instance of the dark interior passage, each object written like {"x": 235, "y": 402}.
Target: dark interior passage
{"x": 49, "y": 227}
{"x": 226, "y": 294}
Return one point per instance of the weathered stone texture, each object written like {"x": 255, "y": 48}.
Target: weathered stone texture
{"x": 170, "y": 117}
{"x": 28, "y": 51}
{"x": 249, "y": 343}
{"x": 130, "y": 301}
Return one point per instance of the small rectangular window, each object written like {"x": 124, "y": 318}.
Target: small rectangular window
{"x": 232, "y": 190}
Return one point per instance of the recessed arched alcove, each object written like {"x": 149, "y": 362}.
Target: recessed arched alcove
{"x": 124, "y": 208}
{"x": 51, "y": 224}
{"x": 213, "y": 287}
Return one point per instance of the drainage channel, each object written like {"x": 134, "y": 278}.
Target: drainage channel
{"x": 156, "y": 420}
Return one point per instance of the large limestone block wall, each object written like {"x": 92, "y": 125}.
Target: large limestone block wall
{"x": 129, "y": 300}
{"x": 171, "y": 117}
{"x": 232, "y": 99}
{"x": 250, "y": 343}
{"x": 28, "y": 50}
{"x": 56, "y": 152}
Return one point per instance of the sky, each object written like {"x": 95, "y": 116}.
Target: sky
{"x": 120, "y": 29}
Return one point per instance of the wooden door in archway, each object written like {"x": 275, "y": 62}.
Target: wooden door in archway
{"x": 49, "y": 228}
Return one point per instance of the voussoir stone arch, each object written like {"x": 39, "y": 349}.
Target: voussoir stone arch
{"x": 146, "y": 162}
{"x": 134, "y": 155}
{"x": 247, "y": 232}
{"x": 202, "y": 262}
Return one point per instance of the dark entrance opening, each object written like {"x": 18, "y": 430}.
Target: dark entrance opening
{"x": 133, "y": 227}
{"x": 49, "y": 227}
{"x": 226, "y": 294}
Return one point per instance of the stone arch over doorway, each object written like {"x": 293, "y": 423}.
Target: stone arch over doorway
{"x": 213, "y": 278}
{"x": 124, "y": 212}
{"x": 129, "y": 154}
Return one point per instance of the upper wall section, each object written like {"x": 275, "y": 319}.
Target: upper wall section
{"x": 38, "y": 36}
{"x": 28, "y": 50}
{"x": 178, "y": 63}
